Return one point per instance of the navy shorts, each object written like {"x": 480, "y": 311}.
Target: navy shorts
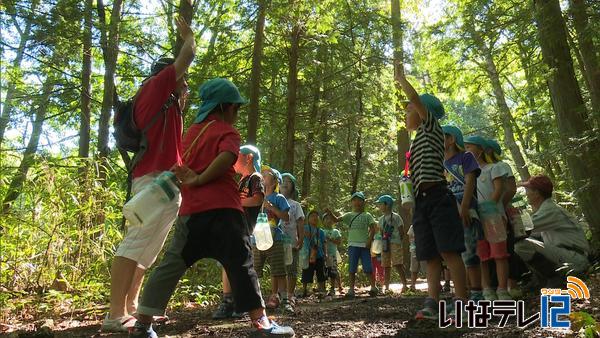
{"x": 354, "y": 254}
{"x": 437, "y": 224}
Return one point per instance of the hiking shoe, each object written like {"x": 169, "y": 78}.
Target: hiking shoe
{"x": 121, "y": 324}
{"x": 476, "y": 296}
{"x": 224, "y": 311}
{"x": 274, "y": 331}
{"x": 503, "y": 294}
{"x": 273, "y": 302}
{"x": 374, "y": 291}
{"x": 287, "y": 307}
{"x": 139, "y": 331}
{"x": 490, "y": 294}
{"x": 429, "y": 310}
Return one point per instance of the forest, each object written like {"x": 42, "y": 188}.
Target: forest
{"x": 324, "y": 104}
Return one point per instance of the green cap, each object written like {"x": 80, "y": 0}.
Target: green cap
{"x": 476, "y": 139}
{"x": 495, "y": 146}
{"x": 358, "y": 194}
{"x": 433, "y": 105}
{"x": 385, "y": 199}
{"x": 290, "y": 176}
{"x": 215, "y": 92}
{"x": 458, "y": 136}
{"x": 250, "y": 149}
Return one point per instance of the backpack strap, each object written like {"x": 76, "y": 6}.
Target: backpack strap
{"x": 352, "y": 221}
{"x": 460, "y": 180}
{"x": 188, "y": 151}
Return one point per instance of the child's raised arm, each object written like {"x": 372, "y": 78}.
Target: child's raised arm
{"x": 412, "y": 95}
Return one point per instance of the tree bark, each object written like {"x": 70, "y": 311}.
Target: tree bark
{"x": 402, "y": 139}
{"x": 505, "y": 113}
{"x": 323, "y": 167}
{"x": 312, "y": 123}
{"x": 570, "y": 111}
{"x": 358, "y": 154}
{"x": 16, "y": 184}
{"x": 86, "y": 74}
{"x": 109, "y": 41}
{"x": 7, "y": 105}
{"x": 292, "y": 88}
{"x": 588, "y": 50}
{"x": 255, "y": 75}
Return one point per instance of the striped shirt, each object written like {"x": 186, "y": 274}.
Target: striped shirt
{"x": 427, "y": 153}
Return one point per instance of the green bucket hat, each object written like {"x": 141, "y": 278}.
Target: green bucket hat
{"x": 385, "y": 199}
{"x": 358, "y": 194}
{"x": 433, "y": 105}
{"x": 250, "y": 149}
{"x": 495, "y": 146}
{"x": 476, "y": 139}
{"x": 215, "y": 92}
{"x": 458, "y": 136}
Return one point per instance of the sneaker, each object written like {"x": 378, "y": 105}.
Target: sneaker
{"x": 274, "y": 331}
{"x": 350, "y": 294}
{"x": 121, "y": 324}
{"x": 139, "y": 331}
{"x": 224, "y": 311}
{"x": 374, "y": 291}
{"x": 503, "y": 294}
{"x": 287, "y": 307}
{"x": 476, "y": 296}
{"x": 490, "y": 294}
{"x": 451, "y": 310}
{"x": 239, "y": 315}
{"x": 429, "y": 310}
{"x": 273, "y": 302}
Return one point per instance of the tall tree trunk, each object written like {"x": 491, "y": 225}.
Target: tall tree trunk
{"x": 402, "y": 139}
{"x": 570, "y": 111}
{"x": 16, "y": 184}
{"x": 186, "y": 11}
{"x": 7, "y": 105}
{"x": 358, "y": 154}
{"x": 312, "y": 123}
{"x": 109, "y": 41}
{"x": 505, "y": 113}
{"x": 323, "y": 167}
{"x": 86, "y": 73}
{"x": 292, "y": 88}
{"x": 257, "y": 55}
{"x": 588, "y": 50}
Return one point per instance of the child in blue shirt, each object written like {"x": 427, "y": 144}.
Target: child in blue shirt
{"x": 314, "y": 244}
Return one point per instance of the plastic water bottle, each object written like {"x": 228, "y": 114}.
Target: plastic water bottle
{"x": 493, "y": 224}
{"x": 262, "y": 233}
{"x": 406, "y": 192}
{"x": 303, "y": 257}
{"x": 150, "y": 203}
{"x": 287, "y": 250}
{"x": 377, "y": 245}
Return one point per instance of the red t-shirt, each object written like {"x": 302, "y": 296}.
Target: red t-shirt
{"x": 164, "y": 137}
{"x": 222, "y": 192}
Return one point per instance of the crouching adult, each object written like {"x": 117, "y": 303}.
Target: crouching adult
{"x": 563, "y": 248}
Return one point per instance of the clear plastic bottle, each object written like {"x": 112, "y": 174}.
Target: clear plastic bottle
{"x": 262, "y": 233}
{"x": 377, "y": 245}
{"x": 303, "y": 257}
{"x": 406, "y": 192}
{"x": 287, "y": 250}
{"x": 149, "y": 204}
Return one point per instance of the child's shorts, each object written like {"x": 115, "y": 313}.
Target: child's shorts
{"x": 473, "y": 234}
{"x": 354, "y": 254}
{"x": 394, "y": 256}
{"x": 436, "y": 223}
{"x": 317, "y": 268}
{"x": 487, "y": 250}
{"x": 331, "y": 268}
{"x": 274, "y": 255}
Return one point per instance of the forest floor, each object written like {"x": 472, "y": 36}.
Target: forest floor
{"x": 389, "y": 315}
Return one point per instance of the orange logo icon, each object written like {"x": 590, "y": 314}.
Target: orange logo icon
{"x": 576, "y": 288}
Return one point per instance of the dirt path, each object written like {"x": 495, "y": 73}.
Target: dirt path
{"x": 382, "y": 316}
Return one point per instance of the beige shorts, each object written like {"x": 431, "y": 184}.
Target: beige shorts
{"x": 142, "y": 244}
{"x": 393, "y": 257}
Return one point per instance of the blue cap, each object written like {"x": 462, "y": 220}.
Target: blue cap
{"x": 458, "y": 136}
{"x": 215, "y": 92}
{"x": 478, "y": 140}
{"x": 250, "y": 149}
{"x": 358, "y": 194}
{"x": 385, "y": 199}
{"x": 433, "y": 105}
{"x": 495, "y": 146}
